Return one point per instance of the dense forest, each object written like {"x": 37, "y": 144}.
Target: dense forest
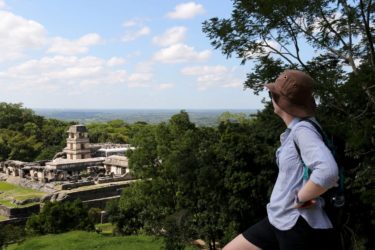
{"x": 28, "y": 137}
{"x": 213, "y": 182}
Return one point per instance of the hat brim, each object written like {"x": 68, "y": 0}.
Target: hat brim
{"x": 271, "y": 87}
{"x": 296, "y": 110}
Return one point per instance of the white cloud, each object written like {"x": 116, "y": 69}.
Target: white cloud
{"x": 357, "y": 61}
{"x": 166, "y": 86}
{"x": 186, "y": 11}
{"x": 61, "y": 73}
{"x": 72, "y": 74}
{"x": 89, "y": 39}
{"x": 145, "y": 67}
{"x": 130, "y": 23}
{"x": 137, "y": 85}
{"x": 142, "y": 76}
{"x": 133, "y": 35}
{"x": 135, "y": 28}
{"x": 2, "y": 4}
{"x": 64, "y": 46}
{"x": 116, "y": 61}
{"x": 171, "y": 36}
{"x": 319, "y": 22}
{"x": 272, "y": 44}
{"x": 179, "y": 53}
{"x": 18, "y": 35}
{"x": 205, "y": 70}
{"x": 212, "y": 76}
{"x": 235, "y": 83}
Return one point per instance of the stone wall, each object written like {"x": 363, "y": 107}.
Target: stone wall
{"x": 4, "y": 211}
{"x": 14, "y": 222}
{"x": 100, "y": 203}
{"x": 76, "y": 185}
{"x": 126, "y": 177}
{"x": 98, "y": 193}
{"x": 19, "y": 212}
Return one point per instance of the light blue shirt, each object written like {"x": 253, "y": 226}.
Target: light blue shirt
{"x": 317, "y": 157}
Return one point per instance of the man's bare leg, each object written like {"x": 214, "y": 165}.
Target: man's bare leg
{"x": 240, "y": 243}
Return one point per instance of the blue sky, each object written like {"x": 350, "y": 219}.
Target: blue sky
{"x": 119, "y": 54}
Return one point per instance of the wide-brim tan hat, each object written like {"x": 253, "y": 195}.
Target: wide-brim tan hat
{"x": 293, "y": 93}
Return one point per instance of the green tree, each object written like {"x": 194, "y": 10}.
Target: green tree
{"x": 26, "y": 136}
{"x": 261, "y": 28}
{"x": 112, "y": 210}
{"x": 57, "y": 217}
{"x": 274, "y": 34}
{"x": 144, "y": 160}
{"x": 231, "y": 117}
{"x": 115, "y": 131}
{"x": 14, "y": 116}
{"x": 198, "y": 182}
{"x": 16, "y": 146}
{"x": 10, "y": 234}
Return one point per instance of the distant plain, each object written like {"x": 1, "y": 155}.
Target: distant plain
{"x": 201, "y": 117}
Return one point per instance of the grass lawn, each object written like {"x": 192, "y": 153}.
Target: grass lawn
{"x": 106, "y": 228}
{"x": 9, "y": 192}
{"x": 79, "y": 240}
{"x": 3, "y": 218}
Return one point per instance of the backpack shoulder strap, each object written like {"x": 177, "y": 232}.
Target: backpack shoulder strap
{"x": 306, "y": 170}
{"x": 324, "y": 136}
{"x": 320, "y": 131}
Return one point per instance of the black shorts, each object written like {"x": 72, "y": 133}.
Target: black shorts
{"x": 301, "y": 236}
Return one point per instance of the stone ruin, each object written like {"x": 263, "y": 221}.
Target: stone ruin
{"x": 80, "y": 161}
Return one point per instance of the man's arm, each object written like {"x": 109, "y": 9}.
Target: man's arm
{"x": 306, "y": 196}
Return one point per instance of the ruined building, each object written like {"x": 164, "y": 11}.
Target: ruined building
{"x": 79, "y": 158}
{"x": 77, "y": 144}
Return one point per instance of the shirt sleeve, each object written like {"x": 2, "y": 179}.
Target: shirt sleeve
{"x": 316, "y": 155}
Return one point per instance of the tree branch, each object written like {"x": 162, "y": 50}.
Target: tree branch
{"x": 276, "y": 51}
{"x": 350, "y": 57}
{"x": 362, "y": 113}
{"x": 331, "y": 28}
{"x": 283, "y": 46}
{"x": 296, "y": 46}
{"x": 369, "y": 12}
{"x": 332, "y": 50}
{"x": 368, "y": 31}
{"x": 368, "y": 93}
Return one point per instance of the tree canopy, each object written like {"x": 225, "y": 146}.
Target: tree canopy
{"x": 215, "y": 182}
{"x": 332, "y": 40}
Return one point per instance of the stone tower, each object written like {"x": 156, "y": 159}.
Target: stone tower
{"x": 77, "y": 144}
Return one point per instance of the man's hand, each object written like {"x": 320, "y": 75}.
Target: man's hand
{"x": 303, "y": 204}
{"x": 306, "y": 204}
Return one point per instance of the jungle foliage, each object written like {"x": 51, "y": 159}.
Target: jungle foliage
{"x": 26, "y": 136}
{"x": 59, "y": 217}
{"x": 212, "y": 183}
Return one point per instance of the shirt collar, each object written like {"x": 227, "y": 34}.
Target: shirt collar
{"x": 297, "y": 120}
{"x": 293, "y": 122}
{"x": 287, "y": 131}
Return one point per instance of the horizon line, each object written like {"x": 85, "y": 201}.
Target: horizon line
{"x": 144, "y": 108}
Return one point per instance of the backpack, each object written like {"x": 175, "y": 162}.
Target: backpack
{"x": 334, "y": 197}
